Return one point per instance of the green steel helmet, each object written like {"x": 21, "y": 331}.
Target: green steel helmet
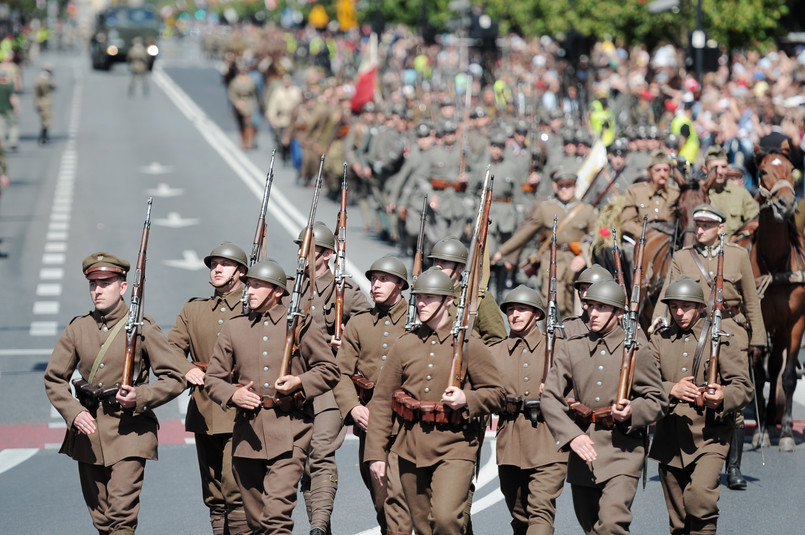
{"x": 684, "y": 289}
{"x": 433, "y": 281}
{"x": 450, "y": 249}
{"x": 322, "y": 234}
{"x": 229, "y": 251}
{"x": 593, "y": 274}
{"x": 607, "y": 292}
{"x": 523, "y": 295}
{"x": 268, "y": 271}
{"x": 390, "y": 265}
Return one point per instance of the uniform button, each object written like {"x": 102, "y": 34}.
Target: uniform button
{"x": 265, "y": 339}
{"x": 223, "y": 309}
{"x": 598, "y": 383}
{"x": 685, "y": 354}
{"x": 432, "y": 354}
{"x": 385, "y": 345}
{"x": 557, "y": 442}
{"x": 600, "y": 367}
{"x": 687, "y": 338}
{"x": 684, "y": 369}
{"x": 100, "y": 385}
{"x": 526, "y": 393}
{"x": 265, "y": 368}
{"x": 264, "y": 323}
{"x": 220, "y": 322}
{"x": 265, "y": 353}
{"x": 427, "y": 390}
{"x": 603, "y": 352}
{"x": 388, "y": 322}
{"x": 525, "y": 351}
{"x": 428, "y": 377}
{"x": 433, "y": 342}
{"x": 217, "y": 334}
{"x": 711, "y": 273}
{"x": 656, "y": 209}
{"x": 385, "y": 333}
{"x": 430, "y": 365}
{"x": 597, "y": 399}
{"x": 383, "y": 357}
{"x": 102, "y": 365}
{"x": 313, "y": 307}
{"x": 525, "y": 379}
{"x": 265, "y": 385}
{"x": 525, "y": 365}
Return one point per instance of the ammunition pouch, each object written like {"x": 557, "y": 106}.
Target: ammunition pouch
{"x": 515, "y": 405}
{"x": 91, "y": 397}
{"x": 584, "y": 415}
{"x": 531, "y": 410}
{"x": 528, "y": 188}
{"x": 363, "y": 387}
{"x": 285, "y": 403}
{"x": 440, "y": 184}
{"x": 411, "y": 410}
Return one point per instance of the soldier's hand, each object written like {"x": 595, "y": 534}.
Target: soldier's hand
{"x": 336, "y": 344}
{"x": 360, "y": 415}
{"x": 657, "y": 325}
{"x": 378, "y": 469}
{"x": 623, "y": 414}
{"x": 454, "y": 397}
{"x": 245, "y": 398}
{"x": 287, "y": 384}
{"x": 195, "y": 376}
{"x": 577, "y": 264}
{"x": 685, "y": 389}
{"x": 127, "y": 397}
{"x": 496, "y": 257}
{"x": 582, "y": 445}
{"x": 755, "y": 353}
{"x": 434, "y": 203}
{"x": 85, "y": 423}
{"x": 714, "y": 400}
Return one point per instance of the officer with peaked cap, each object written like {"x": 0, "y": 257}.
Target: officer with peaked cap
{"x": 656, "y": 198}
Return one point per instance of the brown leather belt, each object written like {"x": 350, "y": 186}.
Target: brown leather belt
{"x": 201, "y": 365}
{"x": 528, "y": 188}
{"x": 439, "y": 184}
{"x": 730, "y": 311}
{"x": 412, "y": 410}
{"x": 584, "y": 415}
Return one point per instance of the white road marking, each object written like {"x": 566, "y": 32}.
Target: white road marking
{"x": 190, "y": 261}
{"x": 24, "y": 352}
{"x": 43, "y": 328}
{"x": 164, "y": 190}
{"x": 55, "y": 247}
{"x": 12, "y": 457}
{"x": 46, "y": 307}
{"x": 174, "y": 220}
{"x": 156, "y": 168}
{"x": 48, "y": 290}
{"x": 53, "y": 259}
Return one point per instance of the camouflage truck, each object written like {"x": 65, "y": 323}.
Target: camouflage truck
{"x": 115, "y": 29}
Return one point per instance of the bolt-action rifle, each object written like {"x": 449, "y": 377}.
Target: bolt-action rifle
{"x": 412, "y": 319}
{"x": 340, "y": 258}
{"x": 260, "y": 232}
{"x": 552, "y": 318}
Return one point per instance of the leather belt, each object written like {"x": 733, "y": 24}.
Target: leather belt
{"x": 440, "y": 184}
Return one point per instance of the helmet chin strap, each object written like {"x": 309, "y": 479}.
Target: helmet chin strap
{"x": 227, "y": 283}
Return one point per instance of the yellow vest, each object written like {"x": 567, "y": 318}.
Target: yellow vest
{"x": 690, "y": 150}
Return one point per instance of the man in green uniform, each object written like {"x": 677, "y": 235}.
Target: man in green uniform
{"x": 734, "y": 201}
{"x": 365, "y": 346}
{"x": 655, "y": 198}
{"x": 692, "y": 441}
{"x": 195, "y": 333}
{"x": 43, "y": 103}
{"x": 9, "y": 111}
{"x": 111, "y": 431}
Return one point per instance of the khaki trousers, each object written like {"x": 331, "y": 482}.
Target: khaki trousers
{"x": 605, "y": 509}
{"x": 691, "y": 494}
{"x": 112, "y": 493}
{"x": 531, "y": 495}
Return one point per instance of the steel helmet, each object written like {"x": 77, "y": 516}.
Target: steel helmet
{"x": 593, "y": 274}
{"x": 607, "y": 292}
{"x": 450, "y": 249}
{"x": 268, "y": 271}
{"x": 434, "y": 281}
{"x": 684, "y": 289}
{"x": 390, "y": 265}
{"x": 229, "y": 251}
{"x": 523, "y": 295}
{"x": 322, "y": 235}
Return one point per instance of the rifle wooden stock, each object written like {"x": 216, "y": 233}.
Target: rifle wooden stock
{"x": 304, "y": 262}
{"x": 467, "y": 309}
{"x": 260, "y": 231}
{"x": 340, "y": 258}
{"x": 630, "y": 324}
{"x": 411, "y": 319}
{"x": 715, "y": 330}
{"x": 134, "y": 323}
{"x": 552, "y": 319}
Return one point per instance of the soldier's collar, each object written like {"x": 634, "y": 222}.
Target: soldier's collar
{"x": 275, "y": 314}
{"x": 611, "y": 340}
{"x": 532, "y": 340}
{"x": 108, "y": 320}
{"x": 708, "y": 251}
{"x": 232, "y": 299}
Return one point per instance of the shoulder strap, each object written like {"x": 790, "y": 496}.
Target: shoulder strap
{"x": 105, "y": 347}
{"x": 697, "y": 357}
{"x": 699, "y": 264}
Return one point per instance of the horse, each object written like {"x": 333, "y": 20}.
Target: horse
{"x": 777, "y": 251}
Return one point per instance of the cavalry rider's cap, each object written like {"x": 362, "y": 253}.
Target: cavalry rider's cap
{"x": 103, "y": 265}
{"x": 715, "y": 152}
{"x": 659, "y": 157}
{"x": 563, "y": 175}
{"x": 710, "y": 213}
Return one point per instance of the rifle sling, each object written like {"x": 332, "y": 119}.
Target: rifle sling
{"x": 697, "y": 357}
{"x": 105, "y": 347}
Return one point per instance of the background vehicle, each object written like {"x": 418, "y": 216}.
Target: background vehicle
{"x": 116, "y": 28}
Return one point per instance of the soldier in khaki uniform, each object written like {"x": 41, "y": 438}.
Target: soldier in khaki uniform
{"x": 735, "y": 201}
{"x": 450, "y": 256}
{"x": 436, "y": 457}
{"x": 606, "y": 458}
{"x": 242, "y": 94}
{"x": 43, "y": 103}
{"x": 320, "y": 479}
{"x": 530, "y": 469}
{"x": 580, "y": 325}
{"x": 138, "y": 65}
{"x": 691, "y": 442}
{"x": 195, "y": 333}
{"x": 365, "y": 346}
{"x": 742, "y": 311}
{"x": 269, "y": 445}
{"x": 111, "y": 435}
{"x": 655, "y": 198}
{"x": 576, "y": 221}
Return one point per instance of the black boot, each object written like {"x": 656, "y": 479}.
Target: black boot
{"x": 735, "y": 480}
{"x": 43, "y": 136}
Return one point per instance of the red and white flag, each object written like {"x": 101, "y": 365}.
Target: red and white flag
{"x": 366, "y": 83}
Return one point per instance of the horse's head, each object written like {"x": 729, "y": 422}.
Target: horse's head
{"x": 776, "y": 184}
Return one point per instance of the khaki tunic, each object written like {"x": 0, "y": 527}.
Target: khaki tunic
{"x": 642, "y": 199}
{"x": 736, "y": 203}
{"x": 242, "y": 94}
{"x": 250, "y": 349}
{"x": 591, "y": 365}
{"x": 196, "y": 332}
{"x": 43, "y": 102}
{"x": 739, "y": 287}
{"x": 686, "y": 433}
{"x": 121, "y": 433}
{"x": 419, "y": 362}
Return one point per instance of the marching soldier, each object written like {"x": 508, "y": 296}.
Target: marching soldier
{"x": 320, "y": 480}
{"x": 580, "y": 325}
{"x": 269, "y": 444}
{"x": 43, "y": 87}
{"x": 607, "y": 456}
{"x": 365, "y": 346}
{"x": 692, "y": 441}
{"x": 576, "y": 221}
{"x": 111, "y": 435}
{"x": 195, "y": 333}
{"x": 242, "y": 93}
{"x": 655, "y": 198}
{"x": 615, "y": 178}
{"x": 138, "y": 65}
{"x": 742, "y": 311}
{"x": 436, "y": 450}
{"x": 450, "y": 256}
{"x": 734, "y": 201}
{"x": 531, "y": 470}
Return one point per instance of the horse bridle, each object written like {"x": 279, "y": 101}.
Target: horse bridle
{"x": 768, "y": 194}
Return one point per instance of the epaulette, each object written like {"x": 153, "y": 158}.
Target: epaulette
{"x": 198, "y": 299}
{"x": 79, "y": 317}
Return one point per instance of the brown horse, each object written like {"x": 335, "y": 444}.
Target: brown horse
{"x": 777, "y": 252}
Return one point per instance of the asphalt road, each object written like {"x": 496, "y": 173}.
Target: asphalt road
{"x": 86, "y": 191}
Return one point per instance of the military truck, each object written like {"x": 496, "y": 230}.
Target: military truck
{"x": 115, "y": 29}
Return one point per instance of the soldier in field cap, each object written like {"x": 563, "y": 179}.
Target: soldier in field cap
{"x": 111, "y": 463}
